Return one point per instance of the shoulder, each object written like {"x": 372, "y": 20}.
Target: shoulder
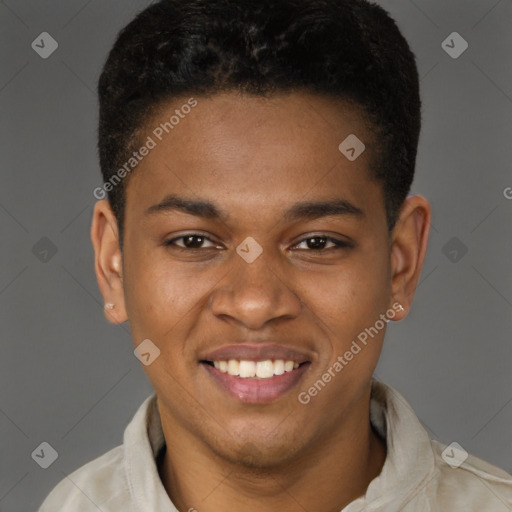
{"x": 99, "y": 483}
{"x": 466, "y": 482}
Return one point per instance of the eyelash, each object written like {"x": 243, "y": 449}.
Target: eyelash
{"x": 339, "y": 244}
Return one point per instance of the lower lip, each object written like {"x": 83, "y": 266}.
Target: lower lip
{"x": 257, "y": 391}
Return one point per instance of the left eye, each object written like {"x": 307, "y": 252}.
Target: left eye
{"x": 316, "y": 243}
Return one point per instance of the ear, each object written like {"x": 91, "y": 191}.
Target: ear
{"x": 408, "y": 248}
{"x": 108, "y": 260}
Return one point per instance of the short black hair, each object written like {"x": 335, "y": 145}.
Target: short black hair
{"x": 347, "y": 49}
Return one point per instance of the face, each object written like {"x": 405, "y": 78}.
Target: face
{"x": 250, "y": 237}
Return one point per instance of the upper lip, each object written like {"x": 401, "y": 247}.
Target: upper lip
{"x": 256, "y": 352}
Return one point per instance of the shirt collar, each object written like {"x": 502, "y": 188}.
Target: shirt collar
{"x": 410, "y": 460}
{"x": 409, "y": 464}
{"x": 143, "y": 440}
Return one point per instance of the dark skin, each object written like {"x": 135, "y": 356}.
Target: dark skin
{"x": 254, "y": 158}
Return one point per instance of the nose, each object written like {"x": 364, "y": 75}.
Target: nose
{"x": 255, "y": 294}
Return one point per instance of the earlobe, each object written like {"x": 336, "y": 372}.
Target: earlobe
{"x": 409, "y": 245}
{"x": 108, "y": 261}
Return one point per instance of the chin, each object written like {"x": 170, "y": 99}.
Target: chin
{"x": 259, "y": 453}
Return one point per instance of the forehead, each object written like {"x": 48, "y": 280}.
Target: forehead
{"x": 253, "y": 151}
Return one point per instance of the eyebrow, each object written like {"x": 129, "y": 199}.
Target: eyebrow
{"x": 300, "y": 211}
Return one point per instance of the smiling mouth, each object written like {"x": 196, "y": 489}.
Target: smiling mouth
{"x": 257, "y": 370}
{"x": 254, "y": 381}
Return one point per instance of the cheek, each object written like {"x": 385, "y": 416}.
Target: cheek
{"x": 160, "y": 307}
{"x": 153, "y": 293}
{"x": 355, "y": 291}
{"x": 348, "y": 301}
{"x": 164, "y": 298}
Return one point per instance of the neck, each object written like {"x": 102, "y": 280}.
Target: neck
{"x": 326, "y": 478}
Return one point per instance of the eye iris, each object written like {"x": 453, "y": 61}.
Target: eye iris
{"x": 316, "y": 243}
{"x": 187, "y": 241}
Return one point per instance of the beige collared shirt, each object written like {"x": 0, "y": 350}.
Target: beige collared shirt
{"x": 419, "y": 474}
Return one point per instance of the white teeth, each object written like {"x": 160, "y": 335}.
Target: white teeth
{"x": 255, "y": 369}
{"x": 264, "y": 369}
{"x": 247, "y": 369}
{"x": 233, "y": 367}
{"x": 288, "y": 366}
{"x": 279, "y": 367}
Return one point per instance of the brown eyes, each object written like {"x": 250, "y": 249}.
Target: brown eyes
{"x": 196, "y": 241}
{"x": 189, "y": 241}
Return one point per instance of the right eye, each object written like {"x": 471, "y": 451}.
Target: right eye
{"x": 191, "y": 241}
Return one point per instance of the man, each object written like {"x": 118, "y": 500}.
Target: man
{"x": 258, "y": 238}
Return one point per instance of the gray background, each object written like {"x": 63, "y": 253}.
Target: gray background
{"x": 69, "y": 378}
